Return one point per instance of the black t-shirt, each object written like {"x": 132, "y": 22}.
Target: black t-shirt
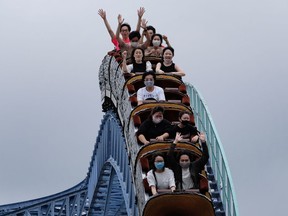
{"x": 151, "y": 130}
{"x": 186, "y": 131}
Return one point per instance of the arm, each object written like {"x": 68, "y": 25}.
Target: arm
{"x": 120, "y": 41}
{"x": 148, "y": 66}
{"x": 124, "y": 62}
{"x": 165, "y": 38}
{"x": 200, "y": 163}
{"x": 178, "y": 71}
{"x": 153, "y": 190}
{"x": 161, "y": 95}
{"x": 158, "y": 70}
{"x": 142, "y": 139}
{"x": 140, "y": 12}
{"x": 140, "y": 96}
{"x": 162, "y": 137}
{"x": 102, "y": 14}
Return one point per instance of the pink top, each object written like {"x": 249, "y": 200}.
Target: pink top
{"x": 116, "y": 44}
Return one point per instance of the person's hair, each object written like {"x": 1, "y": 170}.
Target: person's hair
{"x": 151, "y": 28}
{"x": 133, "y": 52}
{"x": 149, "y": 73}
{"x": 168, "y": 48}
{"x": 155, "y": 110}
{"x": 127, "y": 25}
{"x": 154, "y": 157}
{"x": 182, "y": 113}
{"x": 134, "y": 34}
{"x": 185, "y": 152}
{"x": 154, "y": 35}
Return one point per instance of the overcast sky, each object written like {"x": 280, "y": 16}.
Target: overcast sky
{"x": 235, "y": 52}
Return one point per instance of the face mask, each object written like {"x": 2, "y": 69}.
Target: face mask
{"x": 134, "y": 44}
{"x": 156, "y": 42}
{"x": 159, "y": 165}
{"x": 149, "y": 83}
{"x": 185, "y": 122}
{"x": 157, "y": 120}
{"x": 184, "y": 165}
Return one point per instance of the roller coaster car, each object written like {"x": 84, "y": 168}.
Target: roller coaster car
{"x": 146, "y": 152}
{"x": 167, "y": 82}
{"x": 153, "y": 59}
{"x": 180, "y": 204}
{"x": 142, "y": 112}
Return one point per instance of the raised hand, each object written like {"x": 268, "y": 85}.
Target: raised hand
{"x": 202, "y": 137}
{"x": 102, "y": 14}
{"x": 144, "y": 23}
{"x": 141, "y": 12}
{"x": 120, "y": 19}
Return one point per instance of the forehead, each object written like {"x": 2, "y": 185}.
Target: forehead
{"x": 184, "y": 157}
{"x": 185, "y": 115}
{"x": 149, "y": 76}
{"x": 138, "y": 50}
{"x": 156, "y": 37}
{"x": 124, "y": 28}
{"x": 158, "y": 158}
{"x": 158, "y": 113}
{"x": 167, "y": 51}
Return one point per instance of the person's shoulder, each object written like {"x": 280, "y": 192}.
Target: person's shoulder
{"x": 158, "y": 88}
{"x": 168, "y": 170}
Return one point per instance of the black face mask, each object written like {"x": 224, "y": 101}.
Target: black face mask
{"x": 185, "y": 122}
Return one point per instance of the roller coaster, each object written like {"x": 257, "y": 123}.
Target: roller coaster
{"x": 116, "y": 182}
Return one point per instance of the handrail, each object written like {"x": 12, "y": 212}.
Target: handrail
{"x": 218, "y": 159}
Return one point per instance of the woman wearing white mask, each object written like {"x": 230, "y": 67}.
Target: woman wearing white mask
{"x": 160, "y": 177}
{"x": 186, "y": 170}
{"x": 150, "y": 91}
{"x": 155, "y": 127}
{"x": 155, "y": 48}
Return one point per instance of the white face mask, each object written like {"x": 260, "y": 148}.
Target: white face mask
{"x": 157, "y": 120}
{"x": 156, "y": 42}
{"x": 134, "y": 44}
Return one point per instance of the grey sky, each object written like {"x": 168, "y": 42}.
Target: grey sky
{"x": 235, "y": 52}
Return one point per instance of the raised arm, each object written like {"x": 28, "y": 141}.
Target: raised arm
{"x": 165, "y": 38}
{"x": 140, "y": 12}
{"x": 120, "y": 21}
{"x": 102, "y": 14}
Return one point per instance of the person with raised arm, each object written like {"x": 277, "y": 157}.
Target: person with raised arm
{"x": 155, "y": 48}
{"x": 186, "y": 171}
{"x": 167, "y": 65}
{"x": 138, "y": 62}
{"x": 134, "y": 37}
{"x": 124, "y": 30}
{"x": 185, "y": 128}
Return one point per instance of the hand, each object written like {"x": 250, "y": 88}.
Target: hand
{"x": 102, "y": 14}
{"x": 124, "y": 55}
{"x": 160, "y": 72}
{"x": 120, "y": 19}
{"x": 202, "y": 137}
{"x": 159, "y": 138}
{"x": 178, "y": 137}
{"x": 146, "y": 142}
{"x": 165, "y": 38}
{"x": 195, "y": 138}
{"x": 144, "y": 23}
{"x": 141, "y": 12}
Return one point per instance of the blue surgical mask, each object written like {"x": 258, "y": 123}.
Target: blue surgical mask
{"x": 159, "y": 165}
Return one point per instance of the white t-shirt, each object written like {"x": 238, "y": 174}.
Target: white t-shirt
{"x": 165, "y": 179}
{"x": 157, "y": 94}
{"x": 187, "y": 182}
{"x": 148, "y": 67}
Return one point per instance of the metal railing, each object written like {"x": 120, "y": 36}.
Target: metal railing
{"x": 218, "y": 160}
